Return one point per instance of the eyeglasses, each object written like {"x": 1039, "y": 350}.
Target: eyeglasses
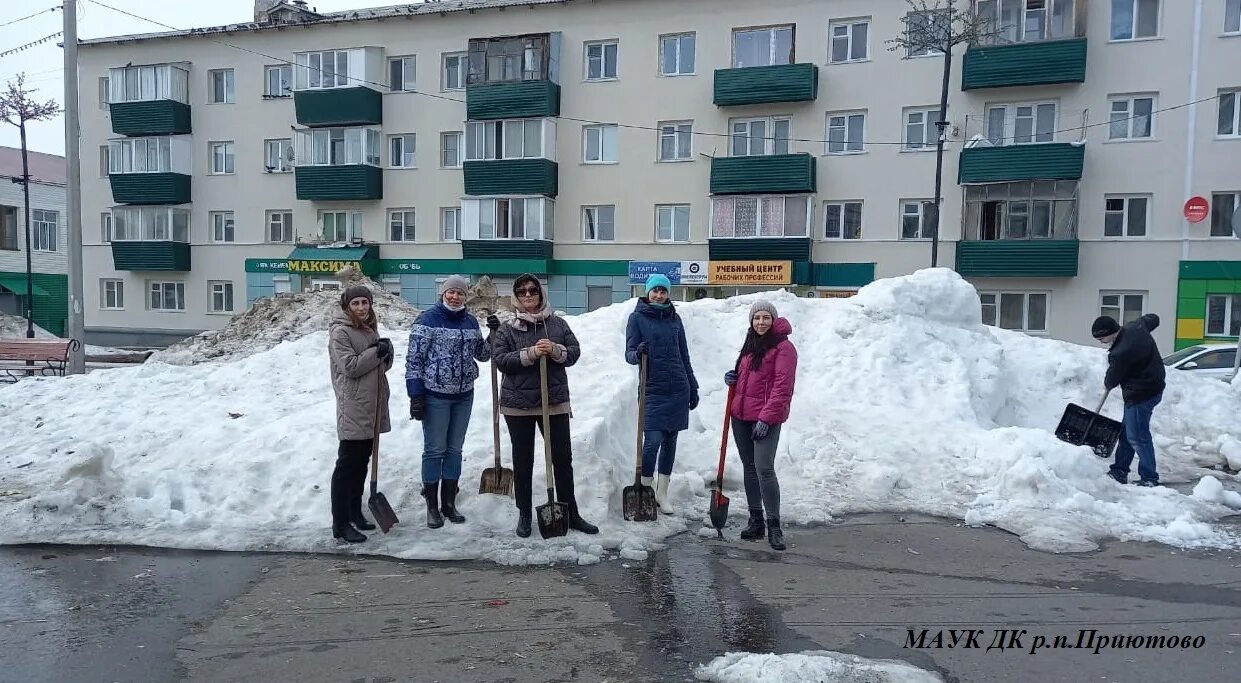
{"x": 528, "y": 291}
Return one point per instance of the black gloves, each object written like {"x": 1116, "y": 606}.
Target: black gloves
{"x": 493, "y": 323}
{"x": 384, "y": 349}
{"x": 642, "y": 349}
{"x": 417, "y": 408}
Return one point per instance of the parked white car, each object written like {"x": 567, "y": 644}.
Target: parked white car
{"x": 1206, "y": 360}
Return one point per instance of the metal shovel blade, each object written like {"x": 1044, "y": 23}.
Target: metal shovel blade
{"x": 553, "y": 519}
{"x": 381, "y": 510}
{"x": 718, "y": 510}
{"x": 638, "y": 503}
{"x": 497, "y": 480}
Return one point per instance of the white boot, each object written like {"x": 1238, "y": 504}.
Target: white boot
{"x": 646, "y": 481}
{"x": 661, "y": 494}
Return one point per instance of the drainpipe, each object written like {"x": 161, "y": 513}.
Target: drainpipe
{"x": 1191, "y": 134}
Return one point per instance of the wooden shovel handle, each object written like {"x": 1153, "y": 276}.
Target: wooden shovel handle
{"x": 641, "y": 408}
{"x": 728, "y": 411}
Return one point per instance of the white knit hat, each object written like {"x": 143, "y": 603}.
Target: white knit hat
{"x": 455, "y": 282}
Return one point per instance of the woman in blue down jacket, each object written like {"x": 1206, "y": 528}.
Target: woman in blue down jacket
{"x": 655, "y": 330}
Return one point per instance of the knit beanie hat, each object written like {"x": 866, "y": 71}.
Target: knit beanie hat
{"x": 1103, "y": 326}
{"x": 658, "y": 280}
{"x": 354, "y": 292}
{"x": 763, "y": 306}
{"x": 455, "y": 282}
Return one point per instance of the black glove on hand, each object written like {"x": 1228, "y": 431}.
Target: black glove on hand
{"x": 417, "y": 408}
{"x": 642, "y": 349}
{"x": 384, "y": 348}
{"x": 493, "y": 323}
{"x": 693, "y": 399}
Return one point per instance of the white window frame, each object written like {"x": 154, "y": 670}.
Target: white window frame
{"x": 666, "y": 214}
{"x": 133, "y": 155}
{"x": 409, "y": 74}
{"x": 224, "y": 290}
{"x": 229, "y": 96}
{"x": 222, "y": 226}
{"x": 490, "y": 140}
{"x": 45, "y": 229}
{"x": 105, "y": 160}
{"x": 111, "y": 294}
{"x": 104, "y": 89}
{"x": 537, "y": 216}
{"x": 150, "y": 224}
{"x": 841, "y": 210}
{"x": 1126, "y": 215}
{"x": 761, "y": 230}
{"x": 280, "y": 151}
{"x": 602, "y": 132}
{"x": 407, "y": 156}
{"x": 847, "y": 145}
{"x": 1122, "y": 113}
{"x": 1011, "y": 117}
{"x": 1116, "y": 309}
{"x": 308, "y": 76}
{"x": 177, "y": 293}
{"x": 677, "y": 39}
{"x": 772, "y": 143}
{"x": 911, "y": 52}
{"x": 459, "y": 145}
{"x": 409, "y": 223}
{"x": 105, "y": 227}
{"x": 353, "y": 225}
{"x": 1134, "y": 5}
{"x": 850, "y": 26}
{"x": 1232, "y": 17}
{"x": 925, "y": 229}
{"x": 285, "y": 82}
{"x": 463, "y": 71}
{"x": 1041, "y": 18}
{"x": 453, "y": 233}
{"x": 773, "y": 58}
{"x": 590, "y": 59}
{"x": 997, "y": 302}
{"x": 930, "y": 132}
{"x": 1231, "y": 301}
{"x": 1223, "y": 215}
{"x": 149, "y": 83}
{"x": 228, "y": 151}
{"x": 1231, "y": 120}
{"x": 676, "y": 133}
{"x": 278, "y": 219}
{"x": 337, "y": 146}
{"x": 595, "y": 215}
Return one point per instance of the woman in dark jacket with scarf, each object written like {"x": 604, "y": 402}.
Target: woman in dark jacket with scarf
{"x": 517, "y": 347}
{"x": 655, "y": 331}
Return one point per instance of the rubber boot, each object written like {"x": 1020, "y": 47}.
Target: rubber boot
{"x": 523, "y": 524}
{"x": 755, "y": 530}
{"x": 775, "y": 537}
{"x": 431, "y": 492}
{"x": 661, "y": 493}
{"x": 448, "y": 503}
{"x": 348, "y": 533}
{"x": 355, "y": 515}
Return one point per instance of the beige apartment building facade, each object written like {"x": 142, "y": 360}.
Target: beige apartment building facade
{"x": 730, "y": 144}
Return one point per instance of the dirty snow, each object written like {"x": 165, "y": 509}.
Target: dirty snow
{"x": 816, "y": 666}
{"x": 905, "y": 402}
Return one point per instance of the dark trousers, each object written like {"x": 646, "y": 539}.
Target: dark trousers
{"x": 521, "y": 433}
{"x": 349, "y": 479}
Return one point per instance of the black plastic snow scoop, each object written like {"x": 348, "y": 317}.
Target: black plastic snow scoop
{"x": 1082, "y": 427}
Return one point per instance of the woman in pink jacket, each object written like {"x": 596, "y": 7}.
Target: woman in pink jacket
{"x": 763, "y": 379}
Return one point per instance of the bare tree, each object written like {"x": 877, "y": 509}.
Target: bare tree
{"x": 938, "y": 26}
{"x": 17, "y": 106}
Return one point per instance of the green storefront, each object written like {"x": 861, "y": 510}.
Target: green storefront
{"x": 1208, "y": 302}
{"x": 51, "y": 298}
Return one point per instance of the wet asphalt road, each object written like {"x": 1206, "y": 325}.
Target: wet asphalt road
{"x": 135, "y": 614}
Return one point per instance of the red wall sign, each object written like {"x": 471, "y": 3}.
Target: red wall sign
{"x": 1197, "y": 209}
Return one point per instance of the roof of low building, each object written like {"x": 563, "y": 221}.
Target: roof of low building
{"x": 44, "y": 168}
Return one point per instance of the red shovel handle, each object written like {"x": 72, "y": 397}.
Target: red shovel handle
{"x": 728, "y": 408}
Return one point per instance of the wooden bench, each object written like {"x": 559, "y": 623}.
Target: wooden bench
{"x": 27, "y": 357}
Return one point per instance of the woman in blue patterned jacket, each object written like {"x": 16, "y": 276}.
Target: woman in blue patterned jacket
{"x": 440, "y": 371}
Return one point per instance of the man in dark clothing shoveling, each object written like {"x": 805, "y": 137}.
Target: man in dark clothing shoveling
{"x": 1135, "y": 365}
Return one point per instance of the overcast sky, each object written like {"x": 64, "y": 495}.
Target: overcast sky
{"x": 43, "y": 64}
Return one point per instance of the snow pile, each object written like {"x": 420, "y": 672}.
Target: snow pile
{"x": 904, "y": 402}
{"x": 14, "y": 327}
{"x": 821, "y": 666}
{"x": 1211, "y": 490}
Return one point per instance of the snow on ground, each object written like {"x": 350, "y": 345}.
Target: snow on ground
{"x": 904, "y": 402}
{"x": 820, "y": 666}
{"x": 14, "y": 327}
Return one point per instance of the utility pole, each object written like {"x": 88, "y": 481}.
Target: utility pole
{"x": 75, "y": 329}
{"x": 941, "y": 127}
{"x": 29, "y": 243}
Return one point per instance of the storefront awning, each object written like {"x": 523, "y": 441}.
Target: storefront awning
{"x": 17, "y": 285}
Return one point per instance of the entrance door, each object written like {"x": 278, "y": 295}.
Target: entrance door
{"x": 598, "y": 297}
{"x": 283, "y": 285}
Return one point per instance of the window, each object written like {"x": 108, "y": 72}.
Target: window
{"x": 278, "y": 155}
{"x": 505, "y": 60}
{"x": 601, "y": 60}
{"x": 1125, "y": 216}
{"x": 850, "y": 40}
{"x": 321, "y": 70}
{"x": 675, "y": 140}
{"x": 221, "y": 296}
{"x": 223, "y": 227}
{"x": 147, "y": 83}
{"x": 843, "y": 220}
{"x": 1232, "y": 16}
{"x": 278, "y": 80}
{"x": 220, "y": 85}
{"x": 1131, "y": 117}
{"x": 1223, "y": 206}
{"x": 1021, "y": 124}
{"x": 279, "y": 225}
{"x": 511, "y": 139}
{"x": 337, "y": 146}
{"x": 1021, "y": 210}
{"x": 112, "y": 294}
{"x": 167, "y": 296}
{"x": 1229, "y": 114}
{"x": 676, "y": 54}
{"x": 45, "y": 226}
{"x": 401, "y": 225}
{"x": 150, "y": 223}
{"x": 1019, "y": 21}
{"x": 1224, "y": 359}
{"x": 223, "y": 157}
{"x": 515, "y": 218}
{"x": 925, "y": 32}
{"x": 8, "y": 228}
{"x": 757, "y": 137}
{"x": 104, "y": 161}
{"x": 845, "y": 132}
{"x": 763, "y": 46}
{"x": 599, "y": 223}
{"x": 105, "y": 227}
{"x": 672, "y": 223}
{"x": 921, "y": 133}
{"x": 401, "y": 150}
{"x": 1122, "y": 306}
{"x": 1135, "y": 19}
{"x": 450, "y": 223}
{"x": 103, "y": 92}
{"x": 1223, "y": 315}
{"x": 402, "y": 74}
{"x": 764, "y": 216}
{"x": 1021, "y": 311}
{"x": 599, "y": 144}
{"x": 455, "y": 69}
{"x": 340, "y": 226}
{"x": 917, "y": 218}
{"x": 143, "y": 155}
{"x": 450, "y": 149}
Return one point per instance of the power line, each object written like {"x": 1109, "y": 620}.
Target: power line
{"x": 29, "y": 16}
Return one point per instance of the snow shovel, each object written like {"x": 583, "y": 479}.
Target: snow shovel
{"x": 718, "y": 509}
{"x": 638, "y": 501}
{"x": 378, "y": 504}
{"x": 498, "y": 479}
{"x": 553, "y": 516}
{"x": 1082, "y": 427}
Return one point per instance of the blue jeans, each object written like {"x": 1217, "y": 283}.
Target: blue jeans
{"x": 661, "y": 445}
{"x": 1136, "y": 437}
{"x": 443, "y": 435}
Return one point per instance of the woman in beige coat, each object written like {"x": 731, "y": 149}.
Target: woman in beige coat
{"x": 359, "y": 358}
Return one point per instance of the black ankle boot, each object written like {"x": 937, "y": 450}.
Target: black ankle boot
{"x": 576, "y": 523}
{"x": 355, "y": 515}
{"x": 348, "y": 533}
{"x": 755, "y": 530}
{"x": 775, "y": 537}
{"x": 448, "y": 504}
{"x": 523, "y": 524}
{"x": 432, "y": 493}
